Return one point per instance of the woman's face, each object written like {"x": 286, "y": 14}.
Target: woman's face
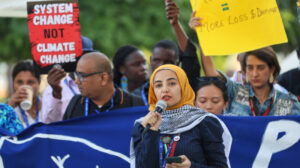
{"x": 166, "y": 87}
{"x": 26, "y": 78}
{"x": 135, "y": 67}
{"x": 258, "y": 72}
{"x": 210, "y": 98}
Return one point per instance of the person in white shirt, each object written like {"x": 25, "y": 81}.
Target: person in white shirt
{"x": 25, "y": 74}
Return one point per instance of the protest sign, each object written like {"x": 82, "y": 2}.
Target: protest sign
{"x": 54, "y": 32}
{"x": 234, "y": 26}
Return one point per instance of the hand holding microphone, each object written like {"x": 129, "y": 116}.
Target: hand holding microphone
{"x": 153, "y": 119}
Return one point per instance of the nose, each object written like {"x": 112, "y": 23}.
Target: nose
{"x": 165, "y": 89}
{"x": 77, "y": 81}
{"x": 255, "y": 72}
{"x": 160, "y": 63}
{"x": 208, "y": 106}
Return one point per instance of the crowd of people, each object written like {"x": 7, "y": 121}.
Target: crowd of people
{"x": 193, "y": 101}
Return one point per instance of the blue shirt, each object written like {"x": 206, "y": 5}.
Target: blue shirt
{"x": 9, "y": 120}
{"x": 239, "y": 104}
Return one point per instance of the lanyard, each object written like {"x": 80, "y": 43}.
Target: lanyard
{"x": 36, "y": 116}
{"x": 269, "y": 108}
{"x": 169, "y": 152}
{"x": 144, "y": 94}
{"x": 86, "y": 107}
{"x": 240, "y": 77}
{"x": 70, "y": 87}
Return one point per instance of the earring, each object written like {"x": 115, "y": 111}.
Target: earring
{"x": 124, "y": 83}
{"x": 246, "y": 78}
{"x": 271, "y": 79}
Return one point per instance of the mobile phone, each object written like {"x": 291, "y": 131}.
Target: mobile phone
{"x": 57, "y": 66}
{"x": 175, "y": 159}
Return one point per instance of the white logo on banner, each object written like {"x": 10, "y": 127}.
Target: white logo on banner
{"x": 271, "y": 144}
{"x": 59, "y": 162}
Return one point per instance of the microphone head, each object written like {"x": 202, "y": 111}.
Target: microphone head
{"x": 160, "y": 106}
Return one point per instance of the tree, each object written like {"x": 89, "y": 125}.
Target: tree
{"x": 112, "y": 23}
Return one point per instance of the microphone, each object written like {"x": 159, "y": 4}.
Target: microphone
{"x": 159, "y": 107}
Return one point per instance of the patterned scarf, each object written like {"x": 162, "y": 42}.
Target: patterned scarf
{"x": 181, "y": 119}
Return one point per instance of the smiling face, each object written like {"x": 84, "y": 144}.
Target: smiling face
{"x": 258, "y": 72}
{"x": 167, "y": 87}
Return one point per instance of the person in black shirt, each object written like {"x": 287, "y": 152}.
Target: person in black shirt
{"x": 98, "y": 94}
{"x": 290, "y": 79}
{"x": 167, "y": 52}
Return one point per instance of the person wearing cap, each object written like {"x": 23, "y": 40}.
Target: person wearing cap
{"x": 61, "y": 89}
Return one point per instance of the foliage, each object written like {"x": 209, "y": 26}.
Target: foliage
{"x": 119, "y": 22}
{"x": 112, "y": 23}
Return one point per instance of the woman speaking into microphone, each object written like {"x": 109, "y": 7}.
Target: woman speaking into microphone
{"x": 183, "y": 136}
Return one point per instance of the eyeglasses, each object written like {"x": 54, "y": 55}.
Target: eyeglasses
{"x": 82, "y": 76}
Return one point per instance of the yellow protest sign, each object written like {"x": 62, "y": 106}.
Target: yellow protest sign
{"x": 234, "y": 26}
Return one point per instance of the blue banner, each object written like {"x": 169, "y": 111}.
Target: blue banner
{"x": 102, "y": 141}
{"x": 264, "y": 142}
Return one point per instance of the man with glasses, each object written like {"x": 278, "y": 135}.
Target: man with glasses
{"x": 61, "y": 89}
{"x": 98, "y": 93}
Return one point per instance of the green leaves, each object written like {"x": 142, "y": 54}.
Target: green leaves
{"x": 112, "y": 23}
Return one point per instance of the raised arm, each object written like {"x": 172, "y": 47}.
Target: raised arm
{"x": 207, "y": 62}
{"x": 188, "y": 51}
{"x": 52, "y": 103}
{"x": 173, "y": 16}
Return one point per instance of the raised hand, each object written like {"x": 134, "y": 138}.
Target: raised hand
{"x": 172, "y": 12}
{"x": 54, "y": 76}
{"x": 17, "y": 97}
{"x": 195, "y": 21}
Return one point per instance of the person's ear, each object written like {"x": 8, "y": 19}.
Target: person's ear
{"x": 122, "y": 70}
{"x": 272, "y": 70}
{"x": 104, "y": 78}
{"x": 225, "y": 105}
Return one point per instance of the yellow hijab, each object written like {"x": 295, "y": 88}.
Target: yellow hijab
{"x": 187, "y": 93}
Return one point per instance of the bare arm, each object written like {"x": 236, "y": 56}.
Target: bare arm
{"x": 207, "y": 61}
{"x": 172, "y": 12}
